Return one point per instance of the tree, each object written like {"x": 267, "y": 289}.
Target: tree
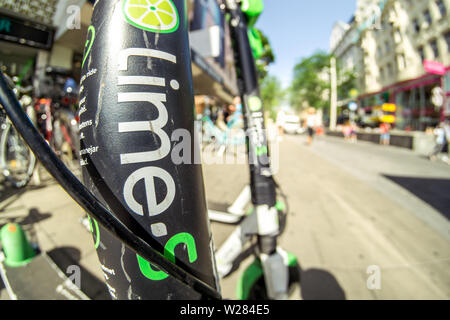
{"x": 310, "y": 84}
{"x": 271, "y": 94}
{"x": 346, "y": 81}
{"x": 266, "y": 58}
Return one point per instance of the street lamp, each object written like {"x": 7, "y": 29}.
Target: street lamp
{"x": 333, "y": 96}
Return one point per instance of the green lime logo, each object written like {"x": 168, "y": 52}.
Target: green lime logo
{"x": 151, "y": 15}
{"x": 254, "y": 103}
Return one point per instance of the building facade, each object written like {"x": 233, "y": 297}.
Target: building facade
{"x": 398, "y": 41}
{"x": 36, "y": 34}
{"x": 343, "y": 46}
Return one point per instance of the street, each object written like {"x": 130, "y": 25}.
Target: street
{"x": 352, "y": 208}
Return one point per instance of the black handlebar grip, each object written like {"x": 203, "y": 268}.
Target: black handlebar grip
{"x": 136, "y": 126}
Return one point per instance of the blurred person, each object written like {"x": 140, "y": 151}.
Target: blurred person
{"x": 235, "y": 119}
{"x": 347, "y": 130}
{"x": 226, "y": 113}
{"x": 353, "y": 135}
{"x": 220, "y": 122}
{"x": 214, "y": 114}
{"x": 385, "y": 136}
{"x": 442, "y": 133}
{"x": 310, "y": 124}
{"x": 280, "y": 121}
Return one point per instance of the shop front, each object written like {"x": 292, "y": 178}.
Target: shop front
{"x": 21, "y": 43}
{"x": 410, "y": 104}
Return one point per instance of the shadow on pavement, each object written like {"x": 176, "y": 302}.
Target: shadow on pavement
{"x": 8, "y": 195}
{"x": 315, "y": 284}
{"x": 93, "y": 287}
{"x": 241, "y": 257}
{"x": 27, "y": 222}
{"x": 433, "y": 191}
{"x": 218, "y": 206}
{"x": 319, "y": 284}
{"x": 34, "y": 216}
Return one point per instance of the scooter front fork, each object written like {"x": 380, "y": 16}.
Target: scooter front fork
{"x": 263, "y": 222}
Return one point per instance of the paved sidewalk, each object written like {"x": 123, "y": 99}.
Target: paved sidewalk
{"x": 52, "y": 220}
{"x": 339, "y": 225}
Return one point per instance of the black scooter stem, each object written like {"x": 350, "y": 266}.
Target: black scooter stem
{"x": 88, "y": 201}
{"x": 261, "y": 181}
{"x": 136, "y": 101}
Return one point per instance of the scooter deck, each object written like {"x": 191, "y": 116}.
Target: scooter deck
{"x": 41, "y": 279}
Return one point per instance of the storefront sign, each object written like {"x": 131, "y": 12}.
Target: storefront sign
{"x": 434, "y": 67}
{"x": 437, "y": 96}
{"x": 388, "y": 119}
{"x": 24, "y": 32}
{"x": 388, "y": 107}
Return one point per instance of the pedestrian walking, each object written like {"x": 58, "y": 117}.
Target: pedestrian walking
{"x": 442, "y": 133}
{"x": 385, "y": 136}
{"x": 353, "y": 135}
{"x": 347, "y": 131}
{"x": 281, "y": 118}
{"x": 310, "y": 124}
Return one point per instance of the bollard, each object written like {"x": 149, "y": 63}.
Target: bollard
{"x": 16, "y": 247}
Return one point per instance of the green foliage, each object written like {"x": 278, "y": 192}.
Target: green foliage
{"x": 271, "y": 94}
{"x": 310, "y": 82}
{"x": 266, "y": 58}
{"x": 346, "y": 81}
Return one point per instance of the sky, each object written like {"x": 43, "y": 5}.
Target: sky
{"x": 298, "y": 28}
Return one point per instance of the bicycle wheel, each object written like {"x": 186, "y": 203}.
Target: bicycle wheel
{"x": 16, "y": 159}
{"x": 65, "y": 138}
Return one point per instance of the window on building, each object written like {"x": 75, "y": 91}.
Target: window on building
{"x": 434, "y": 48}
{"x": 379, "y": 52}
{"x": 397, "y": 36}
{"x": 416, "y": 25}
{"x": 421, "y": 53}
{"x": 390, "y": 70}
{"x": 447, "y": 39}
{"x": 401, "y": 61}
{"x": 388, "y": 46}
{"x": 427, "y": 16}
{"x": 442, "y": 9}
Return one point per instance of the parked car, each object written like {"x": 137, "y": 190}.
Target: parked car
{"x": 292, "y": 124}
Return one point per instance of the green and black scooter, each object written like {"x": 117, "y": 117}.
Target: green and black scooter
{"x": 273, "y": 270}
{"x": 150, "y": 230}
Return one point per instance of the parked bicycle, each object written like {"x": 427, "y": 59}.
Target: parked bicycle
{"x": 17, "y": 161}
{"x": 56, "y": 107}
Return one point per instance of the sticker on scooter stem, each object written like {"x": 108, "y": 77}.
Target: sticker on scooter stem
{"x": 169, "y": 252}
{"x": 97, "y": 231}
{"x": 88, "y": 43}
{"x": 152, "y": 15}
{"x": 254, "y": 103}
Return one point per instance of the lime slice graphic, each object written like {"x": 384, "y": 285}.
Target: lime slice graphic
{"x": 151, "y": 15}
{"x": 254, "y": 103}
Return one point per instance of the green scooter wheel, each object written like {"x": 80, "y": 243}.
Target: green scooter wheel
{"x": 251, "y": 285}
